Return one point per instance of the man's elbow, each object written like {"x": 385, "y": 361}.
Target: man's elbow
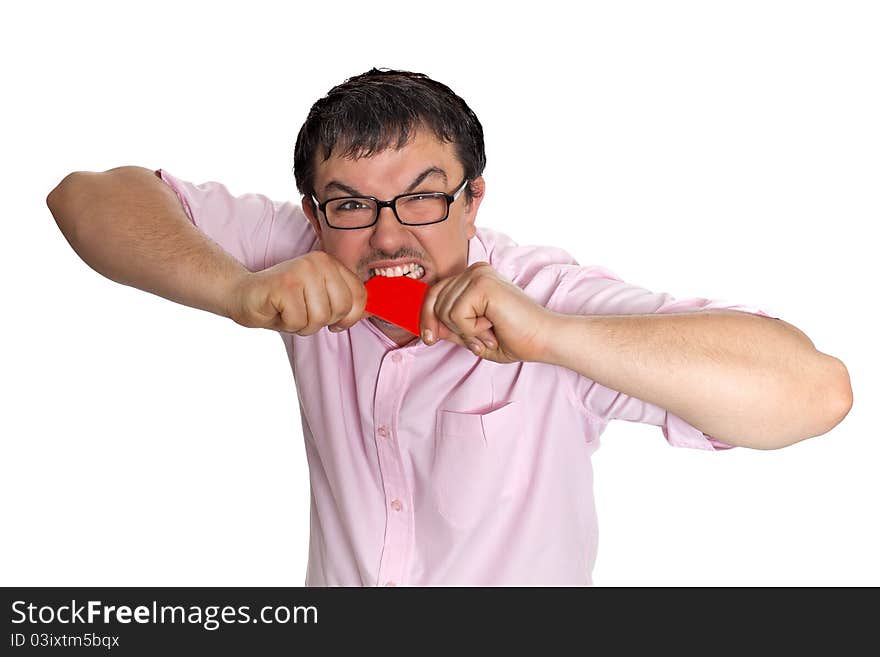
{"x": 54, "y": 199}
{"x": 815, "y": 418}
{"x": 838, "y": 400}
{"x": 63, "y": 200}
{"x": 842, "y": 399}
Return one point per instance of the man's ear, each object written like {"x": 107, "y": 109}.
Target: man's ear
{"x": 478, "y": 188}
{"x": 311, "y": 212}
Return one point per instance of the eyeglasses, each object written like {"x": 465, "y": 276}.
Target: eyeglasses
{"x": 419, "y": 209}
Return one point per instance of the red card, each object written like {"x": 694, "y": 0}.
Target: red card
{"x": 397, "y": 300}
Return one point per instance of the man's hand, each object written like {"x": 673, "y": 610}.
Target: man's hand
{"x": 489, "y": 315}
{"x": 300, "y": 296}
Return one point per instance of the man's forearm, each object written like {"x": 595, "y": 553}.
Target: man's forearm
{"x": 743, "y": 379}
{"x": 130, "y": 227}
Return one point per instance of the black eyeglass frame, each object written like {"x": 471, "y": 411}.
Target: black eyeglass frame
{"x": 450, "y": 199}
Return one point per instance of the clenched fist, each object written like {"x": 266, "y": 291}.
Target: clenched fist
{"x": 481, "y": 310}
{"x": 300, "y": 296}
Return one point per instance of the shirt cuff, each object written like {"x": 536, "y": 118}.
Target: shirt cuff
{"x": 679, "y": 433}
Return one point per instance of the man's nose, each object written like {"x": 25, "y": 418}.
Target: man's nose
{"x": 388, "y": 230}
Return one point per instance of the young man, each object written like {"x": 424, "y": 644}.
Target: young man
{"x": 462, "y": 456}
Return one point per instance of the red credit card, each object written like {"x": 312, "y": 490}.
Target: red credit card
{"x": 396, "y": 299}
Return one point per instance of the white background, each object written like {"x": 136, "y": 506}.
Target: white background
{"x": 721, "y": 150}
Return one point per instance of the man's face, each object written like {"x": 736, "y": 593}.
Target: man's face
{"x": 440, "y": 248}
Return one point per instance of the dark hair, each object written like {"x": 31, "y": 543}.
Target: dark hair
{"x": 368, "y": 113}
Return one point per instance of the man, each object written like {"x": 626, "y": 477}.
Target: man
{"x": 461, "y": 456}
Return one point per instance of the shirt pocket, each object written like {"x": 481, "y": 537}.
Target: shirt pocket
{"x": 474, "y": 466}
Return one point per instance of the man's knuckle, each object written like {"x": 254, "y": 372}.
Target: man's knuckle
{"x": 290, "y": 280}
{"x": 346, "y": 299}
{"x": 482, "y": 283}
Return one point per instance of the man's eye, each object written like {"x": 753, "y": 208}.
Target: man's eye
{"x": 351, "y": 205}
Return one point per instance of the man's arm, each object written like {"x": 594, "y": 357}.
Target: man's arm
{"x": 129, "y": 226}
{"x": 743, "y": 379}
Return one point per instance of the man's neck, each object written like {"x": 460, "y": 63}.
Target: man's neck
{"x": 399, "y": 336}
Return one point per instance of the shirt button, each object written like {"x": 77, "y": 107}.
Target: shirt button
{"x": 397, "y": 358}
{"x": 390, "y": 583}
{"x": 383, "y": 431}
{"x": 396, "y": 505}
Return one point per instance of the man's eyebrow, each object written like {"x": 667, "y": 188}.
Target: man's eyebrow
{"x": 419, "y": 179}
{"x": 430, "y": 171}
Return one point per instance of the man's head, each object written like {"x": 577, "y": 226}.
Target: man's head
{"x": 384, "y": 134}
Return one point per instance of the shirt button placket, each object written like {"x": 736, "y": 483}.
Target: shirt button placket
{"x": 390, "y": 386}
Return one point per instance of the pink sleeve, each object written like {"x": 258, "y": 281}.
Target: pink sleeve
{"x": 597, "y": 291}
{"x": 255, "y": 230}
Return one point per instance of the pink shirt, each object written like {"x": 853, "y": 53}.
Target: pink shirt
{"x": 428, "y": 465}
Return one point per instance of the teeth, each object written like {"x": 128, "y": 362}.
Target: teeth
{"x": 411, "y": 270}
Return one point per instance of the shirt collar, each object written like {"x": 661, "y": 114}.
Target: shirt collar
{"x": 476, "y": 251}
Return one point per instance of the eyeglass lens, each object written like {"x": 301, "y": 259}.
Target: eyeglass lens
{"x": 415, "y": 209}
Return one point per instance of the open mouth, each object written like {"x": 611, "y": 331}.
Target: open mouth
{"x": 410, "y": 270}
